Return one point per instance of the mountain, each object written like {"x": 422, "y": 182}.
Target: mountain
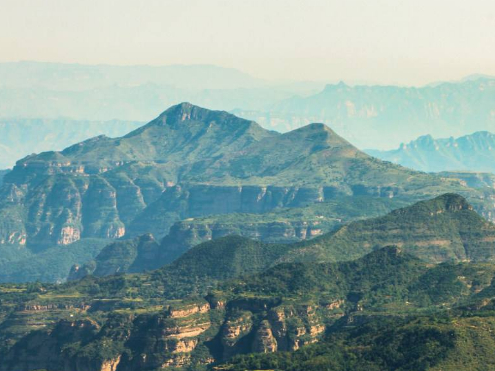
{"x": 136, "y": 255}
{"x": 475, "y": 152}
{"x": 370, "y": 116}
{"x": 78, "y": 77}
{"x": 387, "y": 297}
{"x": 443, "y": 229}
{"x": 192, "y": 162}
{"x": 384, "y": 116}
{"x": 22, "y": 137}
{"x": 431, "y": 343}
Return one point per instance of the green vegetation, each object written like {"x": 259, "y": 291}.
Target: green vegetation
{"x": 388, "y": 310}
{"x": 419, "y": 344}
{"x": 445, "y": 228}
{"x": 19, "y": 264}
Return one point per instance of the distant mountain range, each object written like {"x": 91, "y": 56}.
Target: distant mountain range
{"x": 384, "y": 116}
{"x": 131, "y": 93}
{"x": 474, "y": 152}
{"x": 370, "y": 116}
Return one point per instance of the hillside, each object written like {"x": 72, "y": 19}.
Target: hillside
{"x": 444, "y": 229}
{"x": 156, "y": 175}
{"x": 107, "y": 92}
{"x": 96, "y": 324}
{"x": 285, "y": 225}
{"x": 471, "y": 179}
{"x": 475, "y": 153}
{"x": 427, "y": 343}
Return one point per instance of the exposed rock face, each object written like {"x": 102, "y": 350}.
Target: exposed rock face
{"x": 110, "y": 365}
{"x": 172, "y": 338}
{"x": 436, "y": 231}
{"x": 181, "y": 202}
{"x": 264, "y": 341}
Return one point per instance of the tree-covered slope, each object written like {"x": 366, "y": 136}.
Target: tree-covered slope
{"x": 384, "y": 302}
{"x": 286, "y": 225}
{"x": 444, "y": 228}
{"x": 427, "y": 343}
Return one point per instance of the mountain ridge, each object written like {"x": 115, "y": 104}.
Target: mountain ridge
{"x": 473, "y": 152}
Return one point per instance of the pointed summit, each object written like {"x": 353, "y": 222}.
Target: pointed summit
{"x": 187, "y": 112}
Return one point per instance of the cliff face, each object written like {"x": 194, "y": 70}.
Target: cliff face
{"x": 186, "y": 201}
{"x": 184, "y": 334}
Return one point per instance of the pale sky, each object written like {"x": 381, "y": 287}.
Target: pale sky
{"x": 386, "y": 41}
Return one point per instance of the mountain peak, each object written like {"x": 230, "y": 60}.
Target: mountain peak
{"x": 185, "y": 111}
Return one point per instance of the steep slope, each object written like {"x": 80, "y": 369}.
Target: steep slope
{"x": 389, "y": 344}
{"x": 475, "y": 152}
{"x": 438, "y": 230}
{"x": 442, "y": 229}
{"x": 136, "y": 255}
{"x": 471, "y": 179}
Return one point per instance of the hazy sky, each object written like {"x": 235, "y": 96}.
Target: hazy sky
{"x": 387, "y": 41}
